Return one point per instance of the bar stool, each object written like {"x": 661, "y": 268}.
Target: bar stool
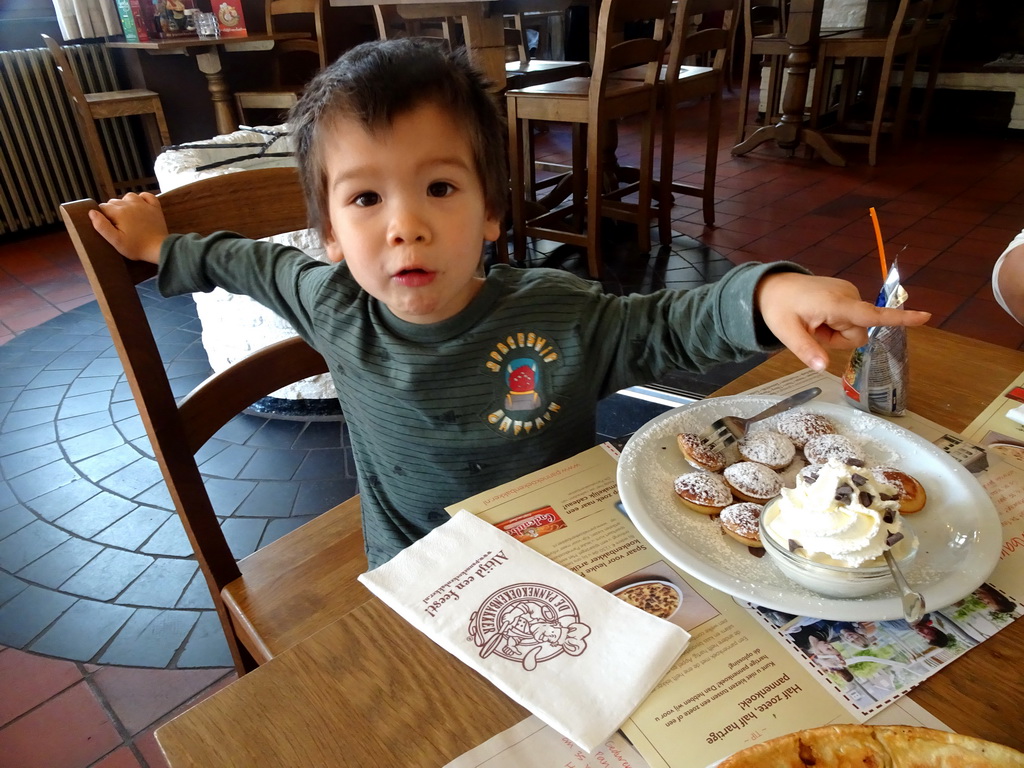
{"x": 702, "y": 32}
{"x": 764, "y": 37}
{"x": 858, "y": 50}
{"x": 90, "y": 107}
{"x": 285, "y": 89}
{"x": 590, "y": 105}
{"x": 931, "y": 41}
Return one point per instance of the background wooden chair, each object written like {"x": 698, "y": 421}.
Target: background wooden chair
{"x": 591, "y": 105}
{"x": 288, "y": 590}
{"x": 391, "y": 24}
{"x": 90, "y": 107}
{"x": 931, "y": 44}
{"x": 868, "y": 60}
{"x": 764, "y": 41}
{"x": 701, "y": 33}
{"x": 294, "y": 62}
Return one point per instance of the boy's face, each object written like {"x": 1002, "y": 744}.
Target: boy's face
{"x": 405, "y": 209}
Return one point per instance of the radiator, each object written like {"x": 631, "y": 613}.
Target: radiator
{"x": 42, "y": 161}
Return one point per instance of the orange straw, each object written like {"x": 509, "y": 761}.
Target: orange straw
{"x": 881, "y": 246}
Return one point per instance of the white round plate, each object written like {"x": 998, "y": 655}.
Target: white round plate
{"x": 959, "y": 528}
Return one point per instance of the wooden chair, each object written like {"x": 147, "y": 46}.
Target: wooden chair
{"x": 931, "y": 43}
{"x": 702, "y": 32}
{"x": 300, "y": 583}
{"x": 294, "y": 61}
{"x": 391, "y": 24}
{"x": 90, "y": 107}
{"x": 869, "y": 58}
{"x": 591, "y": 105}
{"x": 764, "y": 39}
{"x": 522, "y": 70}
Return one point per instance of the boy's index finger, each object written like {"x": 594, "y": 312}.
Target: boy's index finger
{"x": 891, "y": 316}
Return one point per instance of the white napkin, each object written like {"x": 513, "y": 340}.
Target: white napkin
{"x": 570, "y": 652}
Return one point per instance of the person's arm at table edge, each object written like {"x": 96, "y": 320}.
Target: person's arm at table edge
{"x": 1008, "y": 279}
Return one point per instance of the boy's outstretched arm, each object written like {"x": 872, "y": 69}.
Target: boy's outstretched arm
{"x": 133, "y": 224}
{"x": 808, "y": 314}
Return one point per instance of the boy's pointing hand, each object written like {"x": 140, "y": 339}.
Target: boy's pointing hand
{"x": 809, "y": 314}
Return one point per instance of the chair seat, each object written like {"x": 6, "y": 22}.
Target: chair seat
{"x": 691, "y": 74}
{"x": 569, "y": 100}
{"x": 520, "y": 75}
{"x": 134, "y": 94}
{"x": 293, "y": 587}
{"x": 283, "y": 98}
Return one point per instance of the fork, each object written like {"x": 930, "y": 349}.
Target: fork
{"x": 727, "y": 430}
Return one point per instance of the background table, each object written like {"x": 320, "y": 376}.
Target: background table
{"x": 206, "y": 52}
{"x": 370, "y": 690}
{"x": 482, "y": 24}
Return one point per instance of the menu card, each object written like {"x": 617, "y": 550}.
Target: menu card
{"x": 746, "y": 677}
{"x": 731, "y": 687}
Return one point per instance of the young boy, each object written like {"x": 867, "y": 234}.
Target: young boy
{"x": 452, "y": 382}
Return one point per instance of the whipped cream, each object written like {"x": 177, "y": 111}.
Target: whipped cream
{"x": 844, "y": 516}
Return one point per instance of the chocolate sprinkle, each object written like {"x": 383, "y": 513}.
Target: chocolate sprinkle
{"x": 853, "y": 461}
{"x": 794, "y": 545}
{"x": 893, "y": 538}
{"x": 858, "y": 480}
{"x": 756, "y": 551}
{"x": 865, "y": 498}
{"x": 889, "y": 496}
{"x": 888, "y": 517}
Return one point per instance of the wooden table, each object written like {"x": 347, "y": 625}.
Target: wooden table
{"x": 482, "y": 24}
{"x": 802, "y": 34}
{"x": 369, "y": 690}
{"x": 206, "y": 52}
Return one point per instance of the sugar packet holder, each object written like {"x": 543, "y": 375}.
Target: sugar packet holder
{"x": 576, "y": 656}
{"x": 877, "y": 375}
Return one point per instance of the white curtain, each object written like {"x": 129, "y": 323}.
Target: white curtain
{"x": 87, "y": 18}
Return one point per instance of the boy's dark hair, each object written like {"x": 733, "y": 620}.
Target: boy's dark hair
{"x": 376, "y": 82}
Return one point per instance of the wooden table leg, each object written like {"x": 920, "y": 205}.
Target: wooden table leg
{"x": 804, "y": 23}
{"x": 223, "y": 105}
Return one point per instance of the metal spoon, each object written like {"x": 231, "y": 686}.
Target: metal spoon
{"x": 913, "y": 602}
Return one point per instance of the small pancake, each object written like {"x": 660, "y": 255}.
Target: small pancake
{"x": 801, "y": 427}
{"x": 699, "y": 454}
{"x": 910, "y": 493}
{"x": 703, "y": 492}
{"x": 754, "y": 482}
{"x": 820, "y": 449}
{"x": 740, "y": 522}
{"x": 772, "y": 449}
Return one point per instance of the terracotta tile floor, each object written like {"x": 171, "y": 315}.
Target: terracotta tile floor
{"x": 948, "y": 205}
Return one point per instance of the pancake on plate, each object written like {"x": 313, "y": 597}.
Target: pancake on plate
{"x": 875, "y": 746}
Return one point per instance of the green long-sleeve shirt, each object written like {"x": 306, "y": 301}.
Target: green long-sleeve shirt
{"x": 440, "y": 412}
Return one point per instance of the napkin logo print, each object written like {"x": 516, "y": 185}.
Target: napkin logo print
{"x": 528, "y": 624}
{"x": 524, "y": 402}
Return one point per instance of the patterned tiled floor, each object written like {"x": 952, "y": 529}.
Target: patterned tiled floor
{"x": 77, "y": 484}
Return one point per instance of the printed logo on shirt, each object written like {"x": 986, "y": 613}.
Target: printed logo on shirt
{"x": 528, "y": 624}
{"x": 524, "y": 402}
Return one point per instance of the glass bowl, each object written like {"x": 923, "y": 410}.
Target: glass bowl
{"x": 836, "y": 580}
